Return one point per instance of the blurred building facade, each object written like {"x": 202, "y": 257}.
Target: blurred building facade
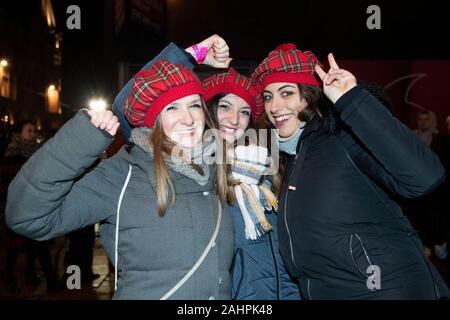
{"x": 117, "y": 37}
{"x": 30, "y": 65}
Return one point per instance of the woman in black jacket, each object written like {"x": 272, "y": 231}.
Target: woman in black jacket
{"x": 342, "y": 235}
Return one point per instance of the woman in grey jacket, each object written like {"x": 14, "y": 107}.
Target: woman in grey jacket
{"x": 145, "y": 198}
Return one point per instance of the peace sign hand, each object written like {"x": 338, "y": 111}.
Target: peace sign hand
{"x": 337, "y": 81}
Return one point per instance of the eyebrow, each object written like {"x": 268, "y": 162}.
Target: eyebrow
{"x": 220, "y": 101}
{"x": 281, "y": 88}
{"x": 190, "y": 102}
{"x": 229, "y": 103}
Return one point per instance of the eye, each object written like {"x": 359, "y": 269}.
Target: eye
{"x": 246, "y": 113}
{"x": 224, "y": 106}
{"x": 171, "y": 108}
{"x": 286, "y": 93}
{"x": 267, "y": 97}
{"x": 196, "y": 106}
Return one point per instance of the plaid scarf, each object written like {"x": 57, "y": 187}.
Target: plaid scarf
{"x": 251, "y": 164}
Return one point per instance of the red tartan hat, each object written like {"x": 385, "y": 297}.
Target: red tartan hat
{"x": 233, "y": 82}
{"x": 287, "y": 64}
{"x": 156, "y": 87}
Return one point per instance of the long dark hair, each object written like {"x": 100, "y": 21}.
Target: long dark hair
{"x": 317, "y": 102}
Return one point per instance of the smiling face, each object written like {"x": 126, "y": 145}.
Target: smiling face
{"x": 183, "y": 121}
{"x": 233, "y": 116}
{"x": 283, "y": 103}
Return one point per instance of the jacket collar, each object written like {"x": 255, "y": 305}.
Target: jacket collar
{"x": 137, "y": 156}
{"x": 311, "y": 126}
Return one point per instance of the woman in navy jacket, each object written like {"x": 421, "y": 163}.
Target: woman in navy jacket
{"x": 258, "y": 272}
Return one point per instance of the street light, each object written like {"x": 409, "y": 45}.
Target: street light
{"x": 97, "y": 104}
{"x": 4, "y": 63}
{"x": 52, "y": 96}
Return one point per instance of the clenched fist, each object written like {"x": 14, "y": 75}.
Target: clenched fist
{"x": 218, "y": 55}
{"x": 105, "y": 120}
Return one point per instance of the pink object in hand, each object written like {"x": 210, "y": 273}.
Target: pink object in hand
{"x": 200, "y": 53}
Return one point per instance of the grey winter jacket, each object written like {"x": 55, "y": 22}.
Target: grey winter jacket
{"x": 52, "y": 196}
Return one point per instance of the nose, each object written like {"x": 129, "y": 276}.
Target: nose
{"x": 233, "y": 118}
{"x": 186, "y": 118}
{"x": 275, "y": 105}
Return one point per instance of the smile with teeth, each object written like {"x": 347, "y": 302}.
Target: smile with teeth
{"x": 187, "y": 132}
{"x": 228, "y": 130}
{"x": 281, "y": 120}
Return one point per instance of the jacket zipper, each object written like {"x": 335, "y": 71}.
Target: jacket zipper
{"x": 238, "y": 289}
{"x": 285, "y": 205}
{"x": 276, "y": 266}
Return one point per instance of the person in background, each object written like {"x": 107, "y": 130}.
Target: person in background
{"x": 22, "y": 146}
{"x": 430, "y": 212}
{"x": 447, "y": 123}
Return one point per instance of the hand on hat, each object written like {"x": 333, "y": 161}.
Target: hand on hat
{"x": 105, "y": 120}
{"x": 218, "y": 55}
{"x": 337, "y": 81}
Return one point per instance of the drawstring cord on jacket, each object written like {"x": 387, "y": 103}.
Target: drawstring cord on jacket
{"x": 200, "y": 260}
{"x": 116, "y": 247}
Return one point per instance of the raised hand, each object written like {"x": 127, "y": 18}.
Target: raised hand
{"x": 105, "y": 120}
{"x": 337, "y": 81}
{"x": 218, "y": 55}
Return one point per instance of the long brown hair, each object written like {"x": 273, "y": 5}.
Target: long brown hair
{"x": 314, "y": 98}
{"x": 164, "y": 184}
{"x": 213, "y": 106}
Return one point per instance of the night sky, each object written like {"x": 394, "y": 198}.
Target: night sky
{"x": 252, "y": 28}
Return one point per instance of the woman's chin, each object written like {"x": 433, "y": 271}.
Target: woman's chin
{"x": 229, "y": 138}
{"x": 287, "y": 130}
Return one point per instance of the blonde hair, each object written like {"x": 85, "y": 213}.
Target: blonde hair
{"x": 165, "y": 187}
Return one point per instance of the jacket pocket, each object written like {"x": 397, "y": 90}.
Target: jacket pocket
{"x": 359, "y": 255}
